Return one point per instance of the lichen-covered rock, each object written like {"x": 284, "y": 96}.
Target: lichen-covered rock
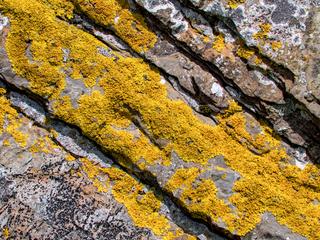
{"x": 151, "y": 84}
{"x": 51, "y": 191}
{"x": 285, "y": 31}
{"x": 249, "y": 63}
{"x": 269, "y": 229}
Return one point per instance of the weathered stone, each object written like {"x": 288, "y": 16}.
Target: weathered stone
{"x": 248, "y": 69}
{"x": 146, "y": 88}
{"x": 45, "y": 191}
{"x": 269, "y": 229}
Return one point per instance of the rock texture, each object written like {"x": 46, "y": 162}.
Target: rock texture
{"x": 160, "y": 119}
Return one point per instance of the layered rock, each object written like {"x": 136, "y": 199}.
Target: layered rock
{"x": 260, "y": 49}
{"x": 56, "y": 184}
{"x": 152, "y": 84}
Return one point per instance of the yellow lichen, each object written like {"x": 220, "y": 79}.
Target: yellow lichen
{"x": 262, "y": 37}
{"x": 143, "y": 208}
{"x": 206, "y": 39}
{"x": 5, "y": 233}
{"x": 220, "y": 168}
{"x": 4, "y": 110}
{"x": 6, "y": 143}
{"x": 2, "y": 91}
{"x": 70, "y": 158}
{"x": 142, "y": 205}
{"x": 258, "y": 190}
{"x": 183, "y": 178}
{"x": 18, "y": 136}
{"x": 115, "y": 14}
{"x": 235, "y": 3}
{"x": 235, "y": 126}
{"x": 132, "y": 89}
{"x": 219, "y": 43}
{"x": 94, "y": 172}
{"x": 276, "y": 45}
{"x": 63, "y": 8}
{"x": 201, "y": 200}
{"x": 43, "y": 145}
{"x": 262, "y": 34}
{"x": 249, "y": 54}
{"x": 245, "y": 52}
{"x": 258, "y": 60}
{"x": 232, "y": 109}
{"x": 13, "y": 122}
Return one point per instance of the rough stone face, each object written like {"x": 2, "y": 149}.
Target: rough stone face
{"x": 269, "y": 229}
{"x": 159, "y": 119}
{"x": 58, "y": 186}
{"x": 285, "y": 32}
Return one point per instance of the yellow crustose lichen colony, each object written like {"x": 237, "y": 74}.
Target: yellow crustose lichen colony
{"x": 130, "y": 86}
{"x": 142, "y": 205}
{"x": 10, "y": 123}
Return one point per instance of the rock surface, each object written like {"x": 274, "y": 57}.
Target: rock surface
{"x": 159, "y": 119}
